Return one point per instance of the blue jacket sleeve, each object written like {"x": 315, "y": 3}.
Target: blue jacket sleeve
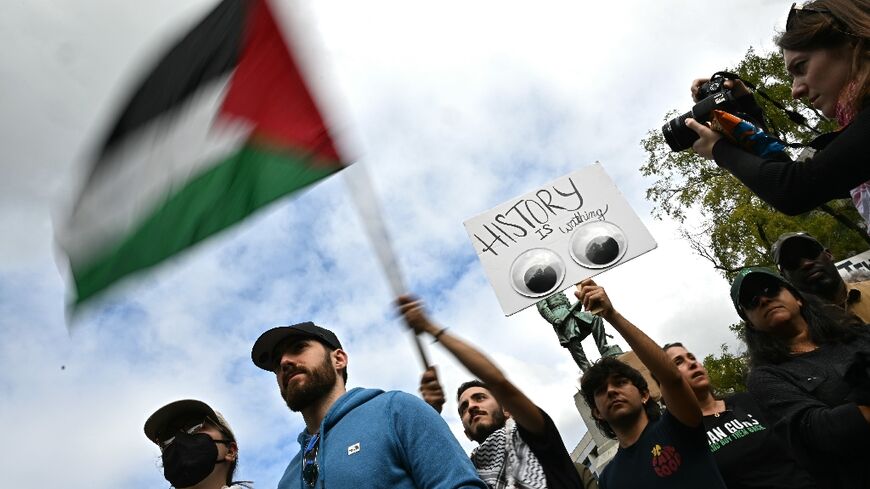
{"x": 433, "y": 455}
{"x": 795, "y": 187}
{"x": 806, "y": 420}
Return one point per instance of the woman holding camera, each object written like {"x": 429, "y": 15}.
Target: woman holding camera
{"x": 826, "y": 48}
{"x": 810, "y": 365}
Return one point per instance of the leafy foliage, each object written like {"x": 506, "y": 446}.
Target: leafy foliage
{"x": 724, "y": 221}
{"x": 730, "y": 226}
{"x": 727, "y": 372}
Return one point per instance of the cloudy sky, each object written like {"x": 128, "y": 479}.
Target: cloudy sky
{"x": 455, "y": 106}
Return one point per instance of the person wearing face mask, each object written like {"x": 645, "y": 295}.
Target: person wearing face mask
{"x": 198, "y": 447}
{"x": 810, "y": 374}
{"x": 825, "y": 46}
{"x": 749, "y": 454}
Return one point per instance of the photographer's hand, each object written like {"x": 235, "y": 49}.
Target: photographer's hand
{"x": 706, "y": 140}
{"x": 696, "y": 84}
{"x": 737, "y": 87}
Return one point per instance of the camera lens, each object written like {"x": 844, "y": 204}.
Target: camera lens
{"x": 537, "y": 272}
{"x": 677, "y": 135}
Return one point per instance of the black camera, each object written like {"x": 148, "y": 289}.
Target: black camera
{"x": 713, "y": 95}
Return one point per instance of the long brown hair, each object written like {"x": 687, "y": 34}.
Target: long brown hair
{"x": 827, "y": 324}
{"x": 830, "y": 24}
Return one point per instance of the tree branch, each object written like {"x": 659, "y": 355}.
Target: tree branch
{"x": 845, "y": 222}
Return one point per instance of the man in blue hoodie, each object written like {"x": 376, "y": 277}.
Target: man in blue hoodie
{"x": 361, "y": 437}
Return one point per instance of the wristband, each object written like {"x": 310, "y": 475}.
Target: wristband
{"x": 439, "y": 333}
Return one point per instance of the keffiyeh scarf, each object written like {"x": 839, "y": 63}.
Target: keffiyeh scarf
{"x": 505, "y": 461}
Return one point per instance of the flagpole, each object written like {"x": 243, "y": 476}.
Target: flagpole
{"x": 422, "y": 351}
{"x": 368, "y": 208}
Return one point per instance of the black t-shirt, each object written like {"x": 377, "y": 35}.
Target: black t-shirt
{"x": 749, "y": 454}
{"x": 668, "y": 455}
{"x": 552, "y": 455}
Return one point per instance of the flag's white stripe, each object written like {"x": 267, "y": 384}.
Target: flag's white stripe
{"x": 147, "y": 167}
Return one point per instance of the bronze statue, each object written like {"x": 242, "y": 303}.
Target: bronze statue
{"x": 572, "y": 325}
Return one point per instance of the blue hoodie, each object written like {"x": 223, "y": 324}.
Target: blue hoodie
{"x": 376, "y": 439}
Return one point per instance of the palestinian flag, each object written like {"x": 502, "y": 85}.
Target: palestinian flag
{"x": 222, "y": 126}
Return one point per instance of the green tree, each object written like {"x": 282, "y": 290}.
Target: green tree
{"x": 730, "y": 226}
{"x": 727, "y": 371}
{"x": 725, "y": 222}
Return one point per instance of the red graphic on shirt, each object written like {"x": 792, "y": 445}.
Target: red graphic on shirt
{"x": 665, "y": 460}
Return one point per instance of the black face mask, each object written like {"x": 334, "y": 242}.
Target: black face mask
{"x": 190, "y": 458}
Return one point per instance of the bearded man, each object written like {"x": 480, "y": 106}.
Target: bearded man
{"x": 519, "y": 445}
{"x": 357, "y": 437}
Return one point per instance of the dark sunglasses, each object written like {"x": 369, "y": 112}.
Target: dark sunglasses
{"x": 796, "y": 10}
{"x": 191, "y": 427}
{"x": 797, "y": 251}
{"x": 793, "y": 13}
{"x": 770, "y": 291}
{"x": 309, "y": 461}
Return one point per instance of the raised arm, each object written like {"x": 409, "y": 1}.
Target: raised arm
{"x": 800, "y": 186}
{"x": 521, "y": 408}
{"x": 681, "y": 401}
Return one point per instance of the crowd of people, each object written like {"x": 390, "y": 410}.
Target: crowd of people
{"x": 804, "y": 422}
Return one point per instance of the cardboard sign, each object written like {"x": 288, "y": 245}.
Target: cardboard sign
{"x": 557, "y": 235}
{"x": 857, "y": 263}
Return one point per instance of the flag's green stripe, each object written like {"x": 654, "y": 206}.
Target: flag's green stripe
{"x": 224, "y": 195}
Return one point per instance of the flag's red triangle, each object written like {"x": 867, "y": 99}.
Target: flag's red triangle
{"x": 268, "y": 90}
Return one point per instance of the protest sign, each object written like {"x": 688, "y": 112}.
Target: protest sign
{"x": 556, "y": 235}
{"x": 856, "y": 265}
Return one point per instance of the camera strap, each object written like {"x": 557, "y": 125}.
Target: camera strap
{"x": 793, "y": 116}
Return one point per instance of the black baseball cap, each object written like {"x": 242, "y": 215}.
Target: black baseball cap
{"x": 263, "y": 352}
{"x": 777, "y": 247}
{"x": 752, "y": 275}
{"x": 160, "y": 424}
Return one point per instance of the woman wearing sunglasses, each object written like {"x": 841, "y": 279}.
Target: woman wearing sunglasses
{"x": 826, "y": 49}
{"x": 747, "y": 451}
{"x": 810, "y": 375}
{"x": 198, "y": 447}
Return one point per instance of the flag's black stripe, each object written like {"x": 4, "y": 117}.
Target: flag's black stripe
{"x": 206, "y": 53}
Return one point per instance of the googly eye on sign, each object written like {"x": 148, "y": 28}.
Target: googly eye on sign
{"x": 597, "y": 244}
{"x": 537, "y": 272}
{"x": 556, "y": 235}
